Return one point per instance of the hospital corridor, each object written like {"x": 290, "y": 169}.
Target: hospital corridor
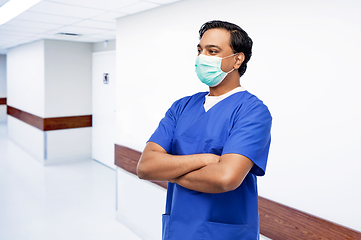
{"x": 258, "y": 101}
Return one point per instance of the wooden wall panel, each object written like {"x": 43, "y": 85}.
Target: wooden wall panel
{"x": 277, "y": 221}
{"x": 48, "y": 124}
{"x": 67, "y": 122}
{"x": 29, "y": 118}
{"x": 2, "y": 101}
{"x": 127, "y": 159}
{"x": 280, "y": 222}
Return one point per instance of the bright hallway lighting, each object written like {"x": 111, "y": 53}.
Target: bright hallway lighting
{"x": 13, "y": 8}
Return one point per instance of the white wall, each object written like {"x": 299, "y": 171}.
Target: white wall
{"x": 25, "y": 78}
{"x": 304, "y": 67}
{"x": 25, "y": 91}
{"x": 3, "y": 116}
{"x": 29, "y": 138}
{"x": 67, "y": 78}
{"x": 50, "y": 78}
{"x": 2, "y": 76}
{"x": 67, "y": 145}
{"x": 67, "y": 93}
{"x": 104, "y": 46}
{"x": 140, "y": 205}
{"x": 2, "y": 87}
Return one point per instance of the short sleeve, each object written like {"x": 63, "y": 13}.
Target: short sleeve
{"x": 163, "y": 135}
{"x": 250, "y": 136}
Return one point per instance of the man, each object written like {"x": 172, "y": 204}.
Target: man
{"x": 211, "y": 146}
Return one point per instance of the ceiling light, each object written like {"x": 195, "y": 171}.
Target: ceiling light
{"x": 13, "y": 8}
{"x": 68, "y": 34}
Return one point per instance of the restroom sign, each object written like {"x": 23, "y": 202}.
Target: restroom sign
{"x": 105, "y": 78}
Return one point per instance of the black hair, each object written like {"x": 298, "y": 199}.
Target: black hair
{"x": 240, "y": 41}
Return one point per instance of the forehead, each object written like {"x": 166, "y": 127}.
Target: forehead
{"x": 216, "y": 36}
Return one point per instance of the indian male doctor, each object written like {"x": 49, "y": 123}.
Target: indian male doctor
{"x": 211, "y": 146}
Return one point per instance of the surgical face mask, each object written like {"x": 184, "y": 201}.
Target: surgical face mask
{"x": 208, "y": 69}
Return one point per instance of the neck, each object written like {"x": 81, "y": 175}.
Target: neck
{"x": 228, "y": 84}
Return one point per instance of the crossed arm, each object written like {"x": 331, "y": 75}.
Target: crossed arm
{"x": 200, "y": 172}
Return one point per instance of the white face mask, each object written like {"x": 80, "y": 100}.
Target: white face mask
{"x": 208, "y": 69}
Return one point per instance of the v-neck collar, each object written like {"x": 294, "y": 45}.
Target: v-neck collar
{"x": 211, "y": 101}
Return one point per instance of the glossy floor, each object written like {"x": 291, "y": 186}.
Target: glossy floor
{"x": 69, "y": 201}
{"x": 63, "y": 202}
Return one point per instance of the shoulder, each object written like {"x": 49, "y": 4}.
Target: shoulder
{"x": 192, "y": 97}
{"x": 248, "y": 98}
{"x": 247, "y": 102}
{"x": 182, "y": 103}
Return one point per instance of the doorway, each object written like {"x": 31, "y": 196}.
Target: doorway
{"x": 103, "y": 106}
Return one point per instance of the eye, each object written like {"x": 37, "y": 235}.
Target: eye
{"x": 213, "y": 51}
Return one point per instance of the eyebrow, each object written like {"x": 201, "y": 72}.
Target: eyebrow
{"x": 210, "y": 46}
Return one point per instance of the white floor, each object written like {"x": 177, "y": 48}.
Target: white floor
{"x": 65, "y": 202}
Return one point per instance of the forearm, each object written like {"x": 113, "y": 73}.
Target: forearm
{"x": 163, "y": 166}
{"x": 207, "y": 179}
{"x": 156, "y": 164}
{"x": 224, "y": 176}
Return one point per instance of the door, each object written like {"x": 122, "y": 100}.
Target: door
{"x": 103, "y": 104}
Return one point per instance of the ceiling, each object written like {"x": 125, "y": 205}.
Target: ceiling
{"x": 89, "y": 20}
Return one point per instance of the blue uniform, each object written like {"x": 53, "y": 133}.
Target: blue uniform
{"x": 240, "y": 124}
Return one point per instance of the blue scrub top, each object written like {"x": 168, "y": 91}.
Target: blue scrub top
{"x": 239, "y": 124}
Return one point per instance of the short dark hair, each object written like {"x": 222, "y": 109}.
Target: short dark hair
{"x": 240, "y": 41}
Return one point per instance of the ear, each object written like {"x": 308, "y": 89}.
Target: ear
{"x": 239, "y": 60}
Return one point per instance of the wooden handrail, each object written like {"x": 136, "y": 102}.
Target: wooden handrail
{"x": 277, "y": 221}
{"x": 127, "y": 159}
{"x": 49, "y": 124}
{"x": 2, "y": 101}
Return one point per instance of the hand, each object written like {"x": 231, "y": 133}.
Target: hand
{"x": 211, "y": 158}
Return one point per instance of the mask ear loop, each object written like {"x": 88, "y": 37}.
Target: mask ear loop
{"x": 228, "y": 57}
{"x": 230, "y": 71}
